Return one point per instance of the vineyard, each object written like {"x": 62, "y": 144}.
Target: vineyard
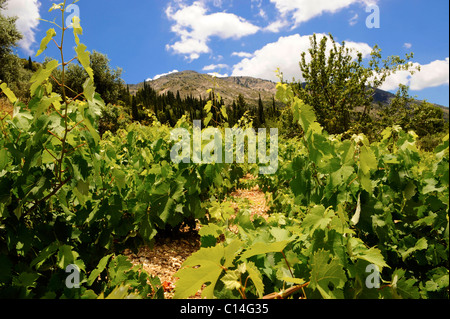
{"x": 349, "y": 218}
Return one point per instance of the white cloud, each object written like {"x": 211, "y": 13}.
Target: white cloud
{"x": 27, "y": 12}
{"x": 215, "y": 67}
{"x": 353, "y": 20}
{"x": 284, "y": 54}
{"x": 435, "y": 73}
{"x": 242, "y": 54}
{"x": 277, "y": 25}
{"x": 407, "y": 45}
{"x": 304, "y": 10}
{"x": 218, "y": 75}
{"x": 161, "y": 75}
{"x": 195, "y": 26}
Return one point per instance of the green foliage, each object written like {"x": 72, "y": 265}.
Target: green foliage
{"x": 11, "y": 71}
{"x": 338, "y": 207}
{"x": 70, "y": 196}
{"x": 338, "y": 84}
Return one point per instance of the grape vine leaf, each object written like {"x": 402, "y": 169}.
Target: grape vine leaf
{"x": 260, "y": 248}
{"x": 357, "y": 249}
{"x": 50, "y": 34}
{"x": 327, "y": 271}
{"x": 403, "y": 287}
{"x": 304, "y": 113}
{"x": 256, "y": 277}
{"x": 77, "y": 30}
{"x": 317, "y": 218}
{"x": 98, "y": 270}
{"x": 83, "y": 57}
{"x": 9, "y": 94}
{"x": 41, "y": 75}
{"x": 421, "y": 244}
{"x": 66, "y": 256}
{"x": 211, "y": 263}
{"x": 367, "y": 158}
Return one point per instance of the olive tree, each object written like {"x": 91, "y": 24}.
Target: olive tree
{"x": 340, "y": 84}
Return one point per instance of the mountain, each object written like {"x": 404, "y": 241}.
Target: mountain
{"x": 197, "y": 84}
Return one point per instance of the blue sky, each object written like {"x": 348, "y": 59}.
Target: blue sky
{"x": 249, "y": 37}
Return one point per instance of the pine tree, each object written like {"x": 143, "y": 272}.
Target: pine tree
{"x": 274, "y": 107}
{"x": 261, "y": 117}
{"x": 30, "y": 64}
{"x": 134, "y": 109}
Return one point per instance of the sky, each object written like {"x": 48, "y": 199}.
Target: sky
{"x": 151, "y": 38}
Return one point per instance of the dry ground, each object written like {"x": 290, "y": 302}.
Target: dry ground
{"x": 168, "y": 254}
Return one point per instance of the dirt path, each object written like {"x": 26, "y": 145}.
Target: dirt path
{"x": 168, "y": 254}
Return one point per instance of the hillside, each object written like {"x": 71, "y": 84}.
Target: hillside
{"x": 197, "y": 84}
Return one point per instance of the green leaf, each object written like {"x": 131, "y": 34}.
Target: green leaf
{"x": 50, "y": 34}
{"x": 210, "y": 230}
{"x": 9, "y": 94}
{"x": 85, "y": 61}
{"x": 357, "y": 249}
{"x": 208, "y": 268}
{"x": 81, "y": 191}
{"x": 119, "y": 178}
{"x": 367, "y": 159}
{"x": 230, "y": 252}
{"x": 56, "y": 6}
{"x": 256, "y": 277}
{"x": 26, "y": 279}
{"x": 261, "y": 248}
{"x": 404, "y": 287}
{"x": 45, "y": 103}
{"x": 421, "y": 244}
{"x": 121, "y": 292}
{"x": 42, "y": 75}
{"x": 89, "y": 89}
{"x": 232, "y": 280}
{"x": 207, "y": 119}
{"x": 317, "y": 218}
{"x": 77, "y": 30}
{"x": 306, "y": 113}
{"x": 355, "y": 218}
{"x": 118, "y": 268}
{"x": 66, "y": 256}
{"x": 284, "y": 93}
{"x": 44, "y": 255}
{"x": 327, "y": 271}
{"x": 92, "y": 131}
{"x": 223, "y": 110}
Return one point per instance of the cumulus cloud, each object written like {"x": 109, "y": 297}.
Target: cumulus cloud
{"x": 435, "y": 73}
{"x": 242, "y": 54}
{"x": 212, "y": 67}
{"x": 407, "y": 45}
{"x": 218, "y": 75}
{"x": 161, "y": 75}
{"x": 284, "y": 54}
{"x": 304, "y": 10}
{"x": 27, "y": 12}
{"x": 195, "y": 26}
